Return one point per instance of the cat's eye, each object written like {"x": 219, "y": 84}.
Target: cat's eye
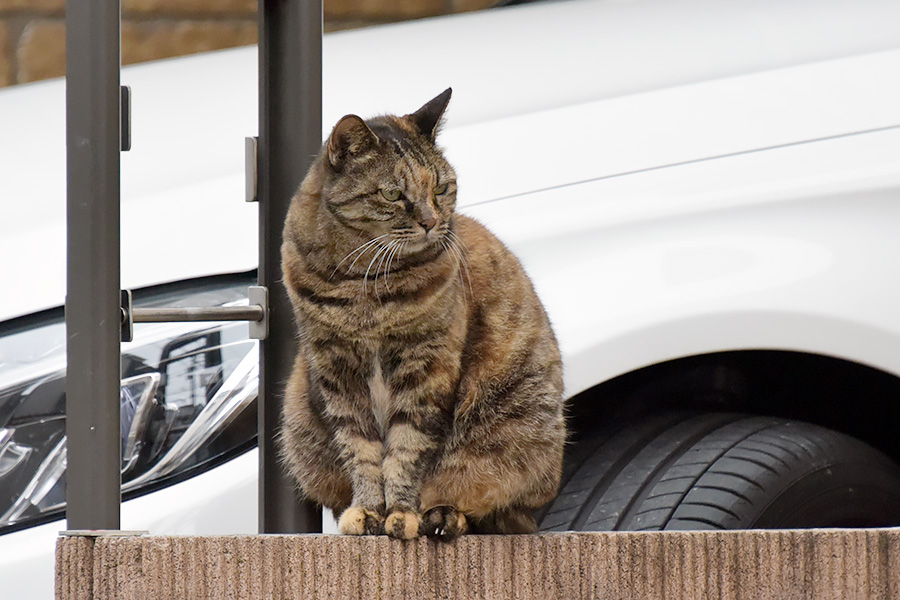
{"x": 392, "y": 195}
{"x": 441, "y": 189}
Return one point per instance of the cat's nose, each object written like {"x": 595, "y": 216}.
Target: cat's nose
{"x": 428, "y": 223}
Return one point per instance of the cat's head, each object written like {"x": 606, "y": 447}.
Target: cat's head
{"x": 385, "y": 177}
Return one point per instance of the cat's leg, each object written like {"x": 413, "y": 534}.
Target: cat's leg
{"x": 498, "y": 470}
{"x": 333, "y": 453}
{"x": 444, "y": 523}
{"x": 411, "y": 450}
{"x": 308, "y": 451}
{"x": 361, "y": 453}
{"x": 362, "y": 456}
{"x": 492, "y": 495}
{"x": 422, "y": 387}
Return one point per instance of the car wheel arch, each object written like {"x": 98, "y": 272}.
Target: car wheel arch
{"x": 841, "y": 394}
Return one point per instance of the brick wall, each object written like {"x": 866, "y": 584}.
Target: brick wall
{"x": 846, "y": 564}
{"x": 33, "y": 45}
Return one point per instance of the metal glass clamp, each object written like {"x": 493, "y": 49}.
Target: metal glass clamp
{"x": 251, "y": 154}
{"x": 125, "y": 120}
{"x": 256, "y": 313}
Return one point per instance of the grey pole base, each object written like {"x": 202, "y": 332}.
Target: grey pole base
{"x": 290, "y": 135}
{"x": 93, "y": 141}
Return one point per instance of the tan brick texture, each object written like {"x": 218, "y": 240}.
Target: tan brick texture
{"x": 153, "y": 40}
{"x": 6, "y": 75}
{"x": 860, "y": 564}
{"x": 470, "y": 5}
{"x": 189, "y": 7}
{"x": 32, "y": 32}
{"x": 32, "y": 6}
{"x": 42, "y": 51}
{"x": 384, "y": 10}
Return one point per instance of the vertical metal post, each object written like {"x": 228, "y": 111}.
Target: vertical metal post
{"x": 93, "y": 314}
{"x": 290, "y": 135}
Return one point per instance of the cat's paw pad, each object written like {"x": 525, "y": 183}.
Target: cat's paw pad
{"x": 402, "y": 525}
{"x": 444, "y": 523}
{"x": 357, "y": 520}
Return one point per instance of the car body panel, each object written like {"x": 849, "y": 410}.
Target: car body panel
{"x": 219, "y": 501}
{"x": 190, "y": 115}
{"x": 784, "y": 249}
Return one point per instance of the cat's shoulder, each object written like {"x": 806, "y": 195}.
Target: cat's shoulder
{"x": 484, "y": 250}
{"x": 473, "y": 233}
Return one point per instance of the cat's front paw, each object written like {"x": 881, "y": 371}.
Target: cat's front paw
{"x": 444, "y": 523}
{"x": 357, "y": 520}
{"x": 402, "y": 525}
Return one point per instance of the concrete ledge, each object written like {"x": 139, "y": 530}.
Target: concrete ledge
{"x": 782, "y": 565}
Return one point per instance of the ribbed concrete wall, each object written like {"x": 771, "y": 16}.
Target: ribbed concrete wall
{"x": 781, "y": 565}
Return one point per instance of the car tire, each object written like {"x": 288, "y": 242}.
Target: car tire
{"x": 722, "y": 471}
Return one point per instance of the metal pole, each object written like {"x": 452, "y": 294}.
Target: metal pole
{"x": 93, "y": 315}
{"x": 290, "y": 135}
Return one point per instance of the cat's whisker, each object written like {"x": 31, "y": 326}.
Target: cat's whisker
{"x": 465, "y": 277}
{"x": 381, "y": 248}
{"x": 405, "y": 233}
{"x": 401, "y": 250}
{"x": 361, "y": 250}
{"x": 452, "y": 235}
{"x": 459, "y": 244}
{"x": 463, "y": 274}
{"x": 387, "y": 268}
{"x": 446, "y": 243}
{"x": 381, "y": 262}
{"x": 463, "y": 259}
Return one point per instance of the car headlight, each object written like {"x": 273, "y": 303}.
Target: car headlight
{"x": 187, "y": 403}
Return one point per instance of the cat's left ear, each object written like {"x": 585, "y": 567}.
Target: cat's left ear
{"x": 428, "y": 118}
{"x": 350, "y": 137}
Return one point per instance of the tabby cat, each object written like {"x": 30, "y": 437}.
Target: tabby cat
{"x": 426, "y": 397}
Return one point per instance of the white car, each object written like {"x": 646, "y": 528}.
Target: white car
{"x": 706, "y": 195}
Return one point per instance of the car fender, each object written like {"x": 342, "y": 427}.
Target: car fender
{"x": 789, "y": 248}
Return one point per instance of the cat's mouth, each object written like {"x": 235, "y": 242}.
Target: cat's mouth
{"x": 422, "y": 242}
{"x": 415, "y": 242}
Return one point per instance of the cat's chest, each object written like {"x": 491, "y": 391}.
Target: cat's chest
{"x": 380, "y": 395}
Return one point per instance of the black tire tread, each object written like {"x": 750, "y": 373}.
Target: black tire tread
{"x": 622, "y": 466}
{"x": 683, "y": 470}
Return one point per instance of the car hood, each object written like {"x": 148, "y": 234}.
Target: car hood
{"x": 544, "y": 96}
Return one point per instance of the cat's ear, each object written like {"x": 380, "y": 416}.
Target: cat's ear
{"x": 428, "y": 118}
{"x": 351, "y": 136}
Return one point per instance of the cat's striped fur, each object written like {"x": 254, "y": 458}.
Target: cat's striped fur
{"x": 426, "y": 396}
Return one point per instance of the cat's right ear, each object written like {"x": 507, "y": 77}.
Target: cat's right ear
{"x": 351, "y": 136}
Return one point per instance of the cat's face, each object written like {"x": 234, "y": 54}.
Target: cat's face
{"x": 387, "y": 179}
